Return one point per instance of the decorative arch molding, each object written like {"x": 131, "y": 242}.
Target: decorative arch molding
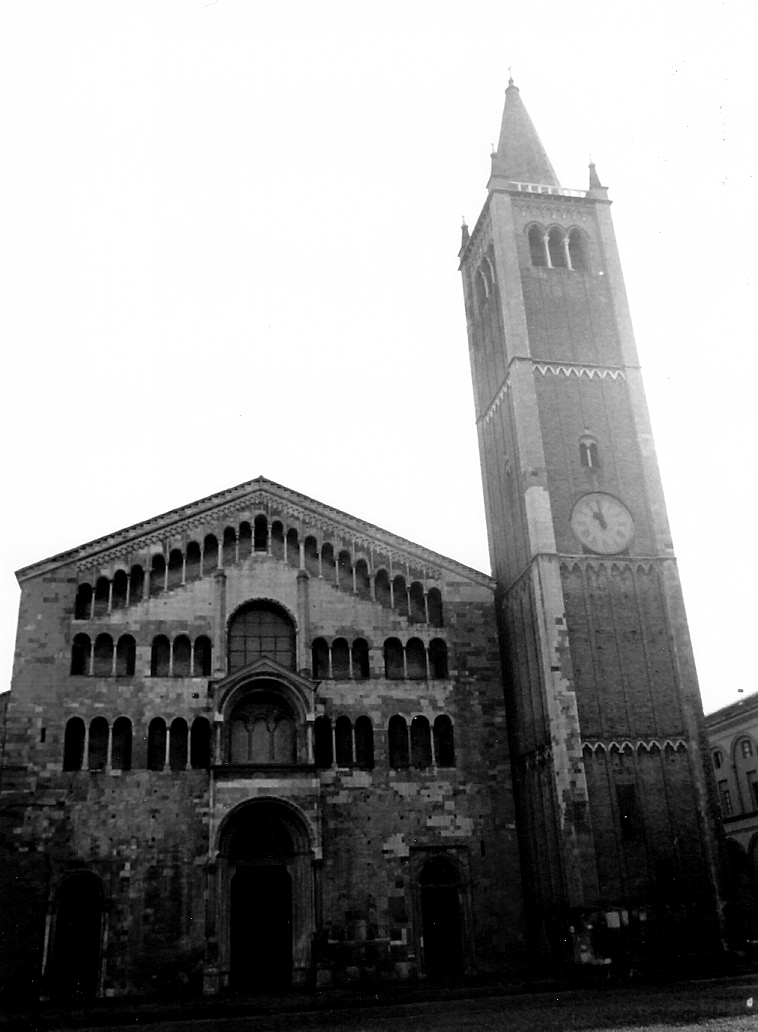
{"x": 266, "y": 673}
{"x": 303, "y": 832}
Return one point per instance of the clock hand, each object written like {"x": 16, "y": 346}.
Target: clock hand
{"x": 598, "y": 515}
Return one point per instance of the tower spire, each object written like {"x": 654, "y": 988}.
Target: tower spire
{"x": 520, "y": 156}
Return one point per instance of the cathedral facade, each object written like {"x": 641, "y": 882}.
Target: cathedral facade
{"x": 258, "y": 741}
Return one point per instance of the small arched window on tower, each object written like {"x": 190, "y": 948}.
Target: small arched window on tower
{"x": 556, "y": 246}
{"x": 577, "y": 245}
{"x": 481, "y": 288}
{"x": 537, "y": 247}
{"x": 588, "y": 453}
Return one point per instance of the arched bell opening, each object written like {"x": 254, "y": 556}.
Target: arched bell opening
{"x": 77, "y": 927}
{"x": 266, "y": 896}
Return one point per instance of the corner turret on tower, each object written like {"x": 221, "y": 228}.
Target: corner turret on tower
{"x": 520, "y": 156}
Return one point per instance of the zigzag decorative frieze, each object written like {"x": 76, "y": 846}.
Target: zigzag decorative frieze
{"x": 498, "y": 400}
{"x": 601, "y": 372}
{"x": 639, "y": 745}
{"x": 551, "y": 368}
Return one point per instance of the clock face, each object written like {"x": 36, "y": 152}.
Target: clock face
{"x": 602, "y": 523}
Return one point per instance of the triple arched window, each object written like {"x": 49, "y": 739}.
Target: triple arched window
{"x": 554, "y": 248}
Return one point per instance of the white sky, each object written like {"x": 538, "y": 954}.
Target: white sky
{"x": 229, "y": 238}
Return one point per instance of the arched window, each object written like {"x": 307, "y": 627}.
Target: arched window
{"x": 311, "y": 556}
{"x": 361, "y": 669}
{"x": 83, "y": 602}
{"x": 277, "y": 540}
{"x": 340, "y": 659}
{"x": 246, "y": 540}
{"x": 537, "y": 246}
{"x": 73, "y": 744}
{"x": 102, "y": 594}
{"x": 481, "y": 288}
{"x": 588, "y": 453}
{"x": 121, "y": 744}
{"x": 160, "y": 657}
{"x": 182, "y": 656}
{"x": 556, "y": 248}
{"x": 718, "y": 759}
{"x": 327, "y": 562}
{"x": 126, "y": 653}
{"x": 417, "y": 611}
{"x": 103, "y": 656}
{"x": 202, "y": 657}
{"x": 229, "y": 547}
{"x": 177, "y": 744}
{"x": 156, "y": 744}
{"x": 322, "y": 728}
{"x": 578, "y": 250}
{"x": 398, "y": 742}
{"x": 293, "y": 548}
{"x": 98, "y": 744}
{"x": 320, "y": 658}
{"x": 382, "y": 588}
{"x": 260, "y": 534}
{"x": 489, "y": 276}
{"x": 364, "y": 744}
{"x": 157, "y": 575}
{"x": 415, "y": 658}
{"x": 421, "y": 743}
{"x": 175, "y": 569}
{"x": 263, "y": 730}
{"x": 210, "y": 555}
{"x": 362, "y": 579}
{"x": 444, "y": 742}
{"x": 746, "y": 748}
{"x": 394, "y": 668}
{"x": 438, "y": 658}
{"x": 400, "y": 595}
{"x": 345, "y": 571}
{"x": 434, "y": 607}
{"x": 194, "y": 562}
{"x": 261, "y": 629}
{"x": 343, "y": 742}
{"x": 136, "y": 584}
{"x": 200, "y": 744}
{"x": 80, "y": 652}
{"x": 120, "y": 587}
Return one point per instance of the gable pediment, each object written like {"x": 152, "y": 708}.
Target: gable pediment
{"x": 212, "y": 515}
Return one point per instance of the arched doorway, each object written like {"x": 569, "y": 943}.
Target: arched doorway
{"x": 441, "y": 919}
{"x": 266, "y": 872}
{"x": 77, "y": 936}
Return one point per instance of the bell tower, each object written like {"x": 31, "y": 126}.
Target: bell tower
{"x": 615, "y": 810}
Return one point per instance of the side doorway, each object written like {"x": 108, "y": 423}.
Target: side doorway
{"x": 441, "y": 919}
{"x": 77, "y": 933}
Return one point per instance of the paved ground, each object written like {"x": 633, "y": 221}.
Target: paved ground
{"x": 719, "y": 1005}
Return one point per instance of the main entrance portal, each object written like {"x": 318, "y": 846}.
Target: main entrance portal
{"x": 261, "y": 927}
{"x": 266, "y": 871}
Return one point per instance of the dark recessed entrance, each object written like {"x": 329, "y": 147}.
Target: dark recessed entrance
{"x": 441, "y": 919}
{"x": 260, "y": 901}
{"x": 75, "y": 958}
{"x": 261, "y": 927}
